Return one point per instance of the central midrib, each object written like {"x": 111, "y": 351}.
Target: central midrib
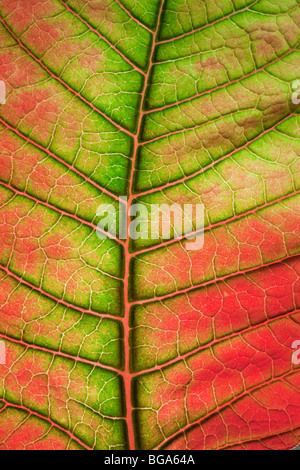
{"x": 127, "y": 372}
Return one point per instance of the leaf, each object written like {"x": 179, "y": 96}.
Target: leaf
{"x": 143, "y": 344}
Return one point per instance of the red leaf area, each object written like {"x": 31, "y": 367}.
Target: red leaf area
{"x": 142, "y": 344}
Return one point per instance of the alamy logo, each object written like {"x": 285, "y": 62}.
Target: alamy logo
{"x": 153, "y": 222}
{"x": 296, "y": 94}
{"x": 296, "y": 354}
{"x": 2, "y": 92}
{"x": 2, "y": 353}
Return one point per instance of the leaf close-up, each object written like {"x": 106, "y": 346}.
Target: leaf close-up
{"x": 119, "y": 343}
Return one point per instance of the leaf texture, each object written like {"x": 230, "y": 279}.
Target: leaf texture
{"x": 141, "y": 344}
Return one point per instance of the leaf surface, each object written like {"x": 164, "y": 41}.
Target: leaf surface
{"x": 144, "y": 344}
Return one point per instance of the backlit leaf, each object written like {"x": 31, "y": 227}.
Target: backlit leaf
{"x": 143, "y": 344}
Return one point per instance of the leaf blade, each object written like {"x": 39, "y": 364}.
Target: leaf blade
{"x": 115, "y": 344}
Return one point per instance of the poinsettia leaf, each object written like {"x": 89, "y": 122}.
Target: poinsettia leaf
{"x": 108, "y": 342}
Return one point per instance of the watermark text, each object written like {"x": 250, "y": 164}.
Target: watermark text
{"x": 2, "y": 353}
{"x": 296, "y": 354}
{"x": 2, "y": 92}
{"x": 296, "y": 94}
{"x": 153, "y": 222}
